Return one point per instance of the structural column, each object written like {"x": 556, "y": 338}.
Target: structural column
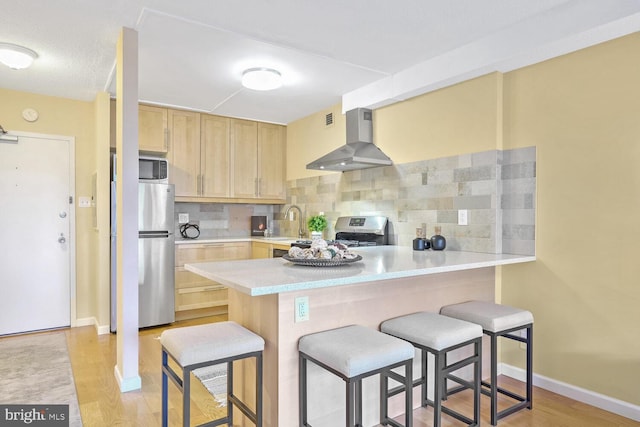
{"x": 126, "y": 370}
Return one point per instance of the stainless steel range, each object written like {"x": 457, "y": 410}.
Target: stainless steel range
{"x": 357, "y": 231}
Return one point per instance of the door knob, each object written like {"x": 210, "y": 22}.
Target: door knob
{"x": 62, "y": 214}
{"x": 61, "y": 239}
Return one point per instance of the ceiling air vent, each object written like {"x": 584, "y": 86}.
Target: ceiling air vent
{"x": 328, "y": 119}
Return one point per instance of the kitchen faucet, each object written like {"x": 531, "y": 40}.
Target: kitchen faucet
{"x": 286, "y": 215}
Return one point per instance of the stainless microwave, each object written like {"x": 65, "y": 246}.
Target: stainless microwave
{"x": 153, "y": 169}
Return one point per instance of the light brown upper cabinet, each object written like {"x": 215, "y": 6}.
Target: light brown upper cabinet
{"x": 199, "y": 155}
{"x": 215, "y": 156}
{"x": 184, "y": 152}
{"x": 258, "y": 160}
{"x": 219, "y": 159}
{"x": 271, "y": 161}
{"x": 244, "y": 140}
{"x": 152, "y": 129}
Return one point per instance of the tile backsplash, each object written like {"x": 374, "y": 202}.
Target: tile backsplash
{"x": 497, "y": 188}
{"x": 219, "y": 220}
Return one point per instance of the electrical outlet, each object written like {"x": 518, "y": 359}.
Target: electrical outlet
{"x": 183, "y": 218}
{"x": 301, "y": 309}
{"x": 463, "y": 217}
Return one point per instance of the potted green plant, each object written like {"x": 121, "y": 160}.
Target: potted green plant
{"x": 317, "y": 225}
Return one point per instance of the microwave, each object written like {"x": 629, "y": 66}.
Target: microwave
{"x": 153, "y": 169}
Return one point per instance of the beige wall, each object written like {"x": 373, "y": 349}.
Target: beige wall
{"x": 59, "y": 116}
{"x": 582, "y": 113}
{"x": 457, "y": 120}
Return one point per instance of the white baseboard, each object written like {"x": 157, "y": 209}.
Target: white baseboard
{"x": 589, "y": 397}
{"x": 127, "y": 384}
{"x": 92, "y": 321}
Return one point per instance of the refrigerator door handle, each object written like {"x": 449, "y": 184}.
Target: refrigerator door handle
{"x": 153, "y": 234}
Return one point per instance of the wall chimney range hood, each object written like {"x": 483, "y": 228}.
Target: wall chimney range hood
{"x": 359, "y": 152}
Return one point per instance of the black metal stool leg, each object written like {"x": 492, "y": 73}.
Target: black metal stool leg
{"x": 165, "y": 391}
{"x": 351, "y": 392}
{"x": 186, "y": 398}
{"x": 530, "y": 367}
{"x": 493, "y": 387}
{"x": 259, "y": 390}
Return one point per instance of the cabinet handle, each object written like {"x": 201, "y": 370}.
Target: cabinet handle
{"x": 256, "y": 187}
{"x": 166, "y": 139}
{"x": 202, "y": 184}
{"x": 198, "y": 181}
{"x": 214, "y": 288}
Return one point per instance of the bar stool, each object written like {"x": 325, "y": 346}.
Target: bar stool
{"x": 353, "y": 353}
{"x": 195, "y": 347}
{"x": 439, "y": 335}
{"x": 500, "y": 321}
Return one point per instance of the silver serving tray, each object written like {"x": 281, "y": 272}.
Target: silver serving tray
{"x": 318, "y": 262}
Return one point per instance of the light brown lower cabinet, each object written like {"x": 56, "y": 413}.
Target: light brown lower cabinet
{"x": 195, "y": 295}
{"x": 265, "y": 250}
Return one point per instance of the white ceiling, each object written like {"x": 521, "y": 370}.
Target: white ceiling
{"x": 365, "y": 53}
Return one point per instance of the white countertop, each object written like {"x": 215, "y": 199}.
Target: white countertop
{"x": 275, "y": 275}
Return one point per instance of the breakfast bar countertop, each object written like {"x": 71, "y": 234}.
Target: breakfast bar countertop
{"x": 275, "y": 275}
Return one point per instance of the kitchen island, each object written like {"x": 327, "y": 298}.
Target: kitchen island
{"x": 390, "y": 281}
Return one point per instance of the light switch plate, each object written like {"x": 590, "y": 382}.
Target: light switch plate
{"x": 463, "y": 217}
{"x": 84, "y": 202}
{"x": 183, "y": 218}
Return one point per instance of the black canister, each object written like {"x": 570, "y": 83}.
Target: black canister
{"x": 438, "y": 242}
{"x": 419, "y": 242}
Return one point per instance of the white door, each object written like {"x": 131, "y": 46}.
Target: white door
{"x": 35, "y": 218}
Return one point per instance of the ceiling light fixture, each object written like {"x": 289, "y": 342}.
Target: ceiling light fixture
{"x": 261, "y": 78}
{"x": 16, "y": 57}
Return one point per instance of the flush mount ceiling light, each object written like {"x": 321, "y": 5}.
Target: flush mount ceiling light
{"x": 16, "y": 57}
{"x": 261, "y": 78}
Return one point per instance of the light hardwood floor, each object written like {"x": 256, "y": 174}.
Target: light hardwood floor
{"x": 93, "y": 359}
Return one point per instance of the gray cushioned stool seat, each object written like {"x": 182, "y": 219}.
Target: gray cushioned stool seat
{"x": 492, "y": 317}
{"x": 440, "y": 335}
{"x": 354, "y": 350}
{"x": 194, "y": 347}
{"x": 353, "y": 353}
{"x": 432, "y": 330}
{"x": 213, "y": 341}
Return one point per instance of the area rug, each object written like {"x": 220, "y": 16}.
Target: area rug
{"x": 35, "y": 370}
{"x": 214, "y": 378}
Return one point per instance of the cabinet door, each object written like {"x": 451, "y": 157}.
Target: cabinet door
{"x": 194, "y": 291}
{"x": 215, "y": 156}
{"x": 271, "y": 161}
{"x": 261, "y": 250}
{"x": 152, "y": 129}
{"x": 184, "y": 152}
{"x": 244, "y": 140}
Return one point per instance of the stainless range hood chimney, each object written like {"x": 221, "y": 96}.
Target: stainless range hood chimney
{"x": 359, "y": 152}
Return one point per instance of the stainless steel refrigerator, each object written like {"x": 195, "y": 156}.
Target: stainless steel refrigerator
{"x": 156, "y": 255}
